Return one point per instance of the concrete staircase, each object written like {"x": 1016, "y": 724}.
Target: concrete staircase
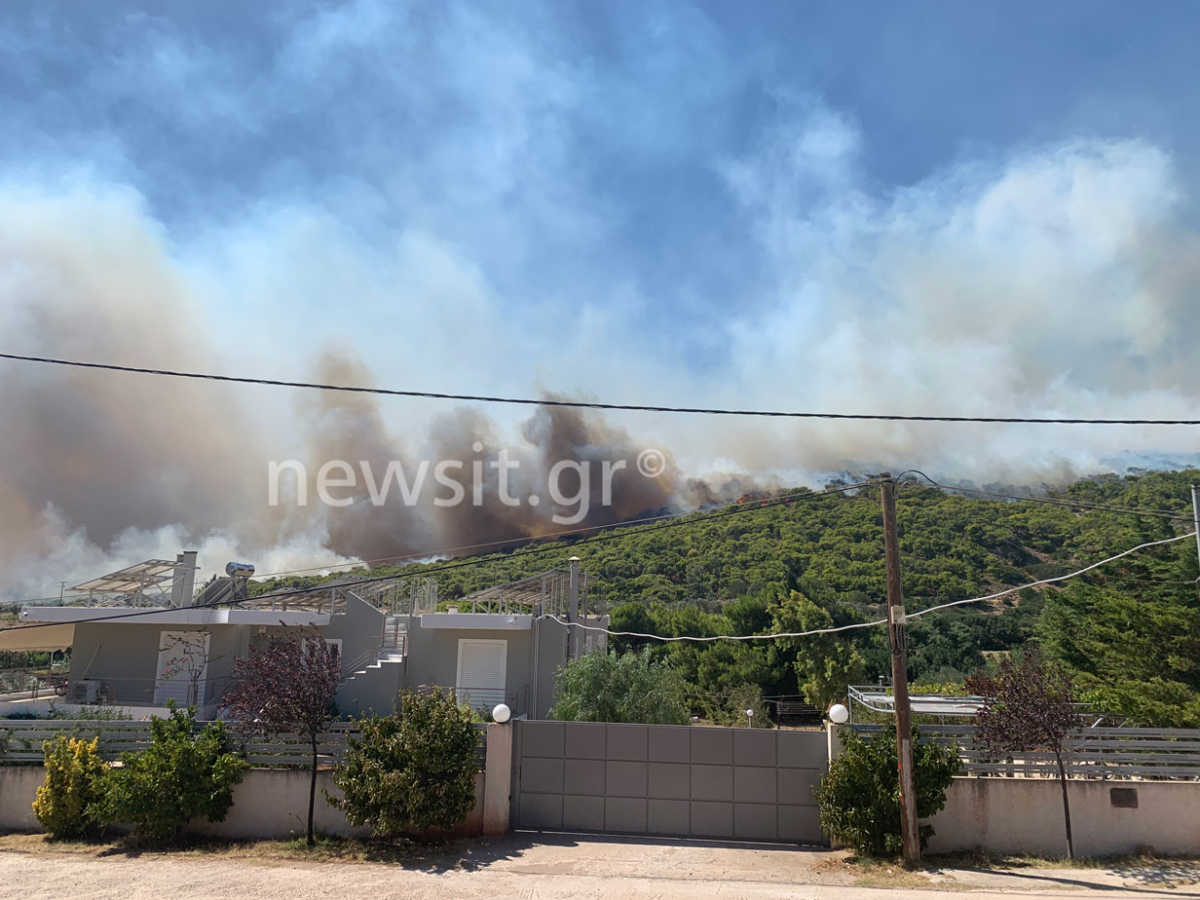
{"x": 376, "y": 683}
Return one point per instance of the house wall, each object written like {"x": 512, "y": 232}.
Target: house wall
{"x": 373, "y": 692}
{"x": 124, "y": 655}
{"x": 433, "y": 656}
{"x": 551, "y": 647}
{"x": 360, "y": 629}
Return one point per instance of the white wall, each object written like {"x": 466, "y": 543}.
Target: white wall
{"x": 1024, "y": 815}
{"x": 269, "y": 803}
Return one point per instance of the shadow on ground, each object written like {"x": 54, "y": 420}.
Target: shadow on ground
{"x": 1164, "y": 873}
{"x": 454, "y": 854}
{"x": 1140, "y": 878}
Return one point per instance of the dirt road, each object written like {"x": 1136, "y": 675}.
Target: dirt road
{"x": 549, "y": 866}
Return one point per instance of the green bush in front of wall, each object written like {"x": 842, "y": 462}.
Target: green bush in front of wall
{"x": 68, "y": 802}
{"x": 412, "y": 773}
{"x": 859, "y": 798}
{"x": 184, "y": 774}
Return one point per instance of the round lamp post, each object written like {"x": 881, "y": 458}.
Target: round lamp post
{"x": 501, "y": 713}
{"x": 838, "y": 714}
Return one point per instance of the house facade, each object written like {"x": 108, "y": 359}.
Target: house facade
{"x": 502, "y": 645}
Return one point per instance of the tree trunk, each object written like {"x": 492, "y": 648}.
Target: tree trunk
{"x": 1062, "y": 780}
{"x": 312, "y": 793}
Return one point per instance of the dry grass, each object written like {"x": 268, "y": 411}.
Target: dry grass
{"x": 981, "y": 859}
{"x": 950, "y": 871}
{"x": 865, "y": 871}
{"x": 442, "y": 856}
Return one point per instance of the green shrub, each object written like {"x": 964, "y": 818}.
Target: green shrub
{"x": 728, "y": 706}
{"x": 68, "y": 802}
{"x": 859, "y": 798}
{"x": 631, "y": 687}
{"x": 180, "y": 776}
{"x": 413, "y": 772}
{"x": 90, "y": 713}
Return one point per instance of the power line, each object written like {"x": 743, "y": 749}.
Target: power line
{"x": 551, "y": 536}
{"x": 716, "y": 637}
{"x": 677, "y": 521}
{"x": 686, "y": 519}
{"x": 838, "y": 628}
{"x": 1031, "y": 584}
{"x": 1052, "y": 501}
{"x": 583, "y": 404}
{"x": 673, "y": 520}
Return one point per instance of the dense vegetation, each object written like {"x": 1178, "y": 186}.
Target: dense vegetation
{"x": 1129, "y": 632}
{"x": 613, "y": 687}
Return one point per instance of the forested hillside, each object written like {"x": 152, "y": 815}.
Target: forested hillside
{"x": 1131, "y": 630}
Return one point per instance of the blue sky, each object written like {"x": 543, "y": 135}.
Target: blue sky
{"x": 571, "y": 153}
{"x": 917, "y": 207}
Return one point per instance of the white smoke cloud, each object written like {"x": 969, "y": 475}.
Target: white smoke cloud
{"x": 1056, "y": 282}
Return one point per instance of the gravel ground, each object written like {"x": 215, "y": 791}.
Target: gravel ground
{"x": 546, "y": 866}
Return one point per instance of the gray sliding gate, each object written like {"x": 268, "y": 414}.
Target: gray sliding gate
{"x": 737, "y": 783}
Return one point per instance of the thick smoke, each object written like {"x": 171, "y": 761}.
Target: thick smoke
{"x": 102, "y": 470}
{"x": 1059, "y": 282}
{"x": 351, "y": 427}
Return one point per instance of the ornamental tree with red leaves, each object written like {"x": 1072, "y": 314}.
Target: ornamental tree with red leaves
{"x": 1027, "y": 706}
{"x": 287, "y": 685}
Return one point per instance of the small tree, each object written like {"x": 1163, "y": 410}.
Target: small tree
{"x": 184, "y": 773}
{"x": 859, "y": 798}
{"x": 605, "y": 687}
{"x": 1028, "y": 706}
{"x": 412, "y": 772}
{"x": 68, "y": 802}
{"x": 188, "y": 662}
{"x": 728, "y": 705}
{"x": 287, "y": 685}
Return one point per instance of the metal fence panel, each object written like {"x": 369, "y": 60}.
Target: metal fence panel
{"x": 21, "y": 741}
{"x": 734, "y": 783}
{"x": 1092, "y": 753}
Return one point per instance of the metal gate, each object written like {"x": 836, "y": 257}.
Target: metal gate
{"x": 736, "y": 783}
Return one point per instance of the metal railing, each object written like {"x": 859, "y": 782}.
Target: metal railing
{"x": 1092, "y": 753}
{"x": 103, "y": 690}
{"x": 21, "y": 741}
{"x": 28, "y": 684}
{"x": 395, "y": 635}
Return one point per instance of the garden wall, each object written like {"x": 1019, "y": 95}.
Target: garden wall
{"x": 1024, "y": 815}
{"x": 269, "y": 803}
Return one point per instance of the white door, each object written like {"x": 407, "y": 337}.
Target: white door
{"x": 182, "y": 668}
{"x": 481, "y": 672}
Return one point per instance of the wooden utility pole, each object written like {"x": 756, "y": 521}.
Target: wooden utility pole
{"x": 573, "y": 641}
{"x": 1196, "y": 518}
{"x": 909, "y": 833}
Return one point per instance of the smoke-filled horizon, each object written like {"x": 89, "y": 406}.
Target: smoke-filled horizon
{"x": 667, "y": 204}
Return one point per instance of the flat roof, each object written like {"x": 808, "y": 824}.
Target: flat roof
{"x": 23, "y": 640}
{"x": 482, "y": 621}
{"x": 167, "y": 616}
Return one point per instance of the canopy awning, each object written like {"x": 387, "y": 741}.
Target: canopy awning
{"x": 44, "y": 637}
